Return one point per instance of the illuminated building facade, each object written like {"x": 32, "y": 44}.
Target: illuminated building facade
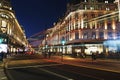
{"x": 37, "y": 41}
{"x": 12, "y": 34}
{"x": 85, "y": 28}
{"x": 88, "y": 26}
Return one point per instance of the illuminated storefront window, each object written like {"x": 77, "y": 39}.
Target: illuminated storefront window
{"x": 112, "y": 45}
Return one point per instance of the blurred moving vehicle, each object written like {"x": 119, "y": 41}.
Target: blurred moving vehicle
{"x": 29, "y": 52}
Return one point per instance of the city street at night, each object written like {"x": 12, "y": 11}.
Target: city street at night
{"x": 31, "y": 67}
{"x": 60, "y": 40}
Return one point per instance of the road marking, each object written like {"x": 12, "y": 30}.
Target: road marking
{"x": 4, "y": 78}
{"x": 44, "y": 70}
{"x": 35, "y": 66}
{"x": 9, "y": 75}
{"x": 93, "y": 67}
{"x": 53, "y": 73}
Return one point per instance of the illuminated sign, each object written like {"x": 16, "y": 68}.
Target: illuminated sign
{"x": 3, "y": 48}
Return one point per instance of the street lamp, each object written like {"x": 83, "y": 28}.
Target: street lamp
{"x": 63, "y": 43}
{"x": 46, "y": 46}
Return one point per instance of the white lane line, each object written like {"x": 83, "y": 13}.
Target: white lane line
{"x": 35, "y": 66}
{"x": 53, "y": 73}
{"x": 9, "y": 76}
{"x": 3, "y": 78}
{"x": 94, "y": 67}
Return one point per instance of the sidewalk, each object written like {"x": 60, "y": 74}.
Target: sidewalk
{"x": 2, "y": 74}
{"x": 100, "y": 64}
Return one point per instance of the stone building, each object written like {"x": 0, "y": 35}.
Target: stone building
{"x": 12, "y": 34}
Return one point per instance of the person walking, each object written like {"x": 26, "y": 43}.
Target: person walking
{"x": 93, "y": 56}
{"x": 1, "y": 56}
{"x": 49, "y": 55}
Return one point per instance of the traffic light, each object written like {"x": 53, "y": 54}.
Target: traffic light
{"x": 63, "y": 41}
{"x": 1, "y": 40}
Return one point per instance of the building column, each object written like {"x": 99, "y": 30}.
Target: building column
{"x": 118, "y": 3}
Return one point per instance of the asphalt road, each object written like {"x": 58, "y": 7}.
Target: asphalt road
{"x": 55, "y": 71}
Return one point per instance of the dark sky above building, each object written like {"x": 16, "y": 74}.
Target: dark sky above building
{"x": 38, "y": 15}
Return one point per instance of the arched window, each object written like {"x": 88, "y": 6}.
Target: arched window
{"x": 4, "y": 23}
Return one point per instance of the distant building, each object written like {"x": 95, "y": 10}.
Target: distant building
{"x": 37, "y": 41}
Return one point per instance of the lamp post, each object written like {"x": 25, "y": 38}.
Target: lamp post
{"x": 63, "y": 43}
{"x": 46, "y": 35}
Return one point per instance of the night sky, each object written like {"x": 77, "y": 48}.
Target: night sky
{"x": 38, "y": 15}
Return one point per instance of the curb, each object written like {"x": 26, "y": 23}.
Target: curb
{"x": 89, "y": 66}
{"x": 3, "y": 75}
{"x": 92, "y": 67}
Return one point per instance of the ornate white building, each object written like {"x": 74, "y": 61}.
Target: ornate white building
{"x": 86, "y": 27}
{"x": 12, "y": 34}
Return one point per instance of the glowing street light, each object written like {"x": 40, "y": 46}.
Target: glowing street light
{"x": 1, "y": 40}
{"x": 63, "y": 43}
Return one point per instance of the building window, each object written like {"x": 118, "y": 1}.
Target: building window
{"x": 4, "y": 24}
{"x": 107, "y": 9}
{"x": 76, "y": 35}
{"x": 116, "y": 19}
{"x": 93, "y": 25}
{"x": 106, "y": 1}
{"x": 86, "y": 26}
{"x": 93, "y": 35}
{"x": 110, "y": 35}
{"x": 91, "y": 8}
{"x": 85, "y": 0}
{"x": 101, "y": 35}
{"x": 85, "y": 16}
{"x": 67, "y": 38}
{"x": 100, "y": 15}
{"x": 101, "y": 25}
{"x": 76, "y": 16}
{"x": 76, "y": 25}
{"x": 85, "y": 6}
{"x": 85, "y": 35}
{"x": 118, "y": 35}
{"x": 93, "y": 15}
{"x": 109, "y": 26}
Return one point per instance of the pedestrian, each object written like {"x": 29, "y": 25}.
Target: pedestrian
{"x": 93, "y": 56}
{"x": 49, "y": 55}
{"x": 83, "y": 55}
{"x": 45, "y": 55}
{"x": 1, "y": 56}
